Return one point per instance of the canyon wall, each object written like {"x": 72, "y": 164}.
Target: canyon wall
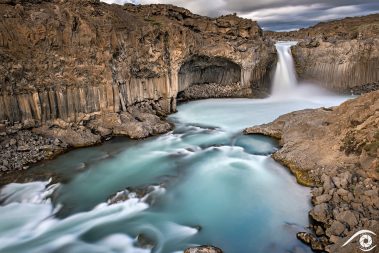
{"x": 68, "y": 59}
{"x": 344, "y": 65}
{"x": 341, "y": 55}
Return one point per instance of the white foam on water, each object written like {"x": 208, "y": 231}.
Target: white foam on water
{"x": 120, "y": 243}
{"x": 172, "y": 233}
{"x": 27, "y": 223}
{"x": 33, "y": 192}
{"x": 285, "y": 86}
{"x": 176, "y": 231}
{"x": 223, "y": 188}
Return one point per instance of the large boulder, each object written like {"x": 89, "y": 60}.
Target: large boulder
{"x": 74, "y": 136}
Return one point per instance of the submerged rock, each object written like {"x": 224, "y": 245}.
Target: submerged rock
{"x": 203, "y": 249}
{"x": 145, "y": 242}
{"x": 316, "y": 243}
{"x": 146, "y": 193}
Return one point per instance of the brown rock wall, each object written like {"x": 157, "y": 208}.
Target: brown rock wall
{"x": 63, "y": 59}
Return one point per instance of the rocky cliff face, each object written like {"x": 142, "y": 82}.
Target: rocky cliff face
{"x": 343, "y": 65}
{"x": 335, "y": 150}
{"x": 76, "y": 72}
{"x": 69, "y": 59}
{"x": 341, "y": 55}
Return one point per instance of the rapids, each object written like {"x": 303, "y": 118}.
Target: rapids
{"x": 213, "y": 185}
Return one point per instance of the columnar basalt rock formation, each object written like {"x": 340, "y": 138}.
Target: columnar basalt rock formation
{"x": 343, "y": 65}
{"x": 341, "y": 55}
{"x": 76, "y": 72}
{"x": 68, "y": 59}
{"x": 204, "y": 77}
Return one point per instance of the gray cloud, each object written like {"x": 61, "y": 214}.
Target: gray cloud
{"x": 275, "y": 14}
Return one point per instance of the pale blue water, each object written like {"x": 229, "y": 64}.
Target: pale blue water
{"x": 211, "y": 177}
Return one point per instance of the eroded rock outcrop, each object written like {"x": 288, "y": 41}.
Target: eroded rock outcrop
{"x": 23, "y": 143}
{"x": 341, "y": 55}
{"x": 342, "y": 65}
{"x": 336, "y": 151}
{"x": 81, "y": 71}
{"x": 66, "y": 59}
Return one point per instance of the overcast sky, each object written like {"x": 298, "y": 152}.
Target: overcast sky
{"x": 275, "y": 14}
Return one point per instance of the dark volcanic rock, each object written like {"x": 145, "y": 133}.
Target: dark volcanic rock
{"x": 213, "y": 90}
{"x": 131, "y": 192}
{"x": 22, "y": 148}
{"x": 203, "y": 249}
{"x": 362, "y": 89}
{"x": 317, "y": 244}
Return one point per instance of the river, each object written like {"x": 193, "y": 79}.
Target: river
{"x": 209, "y": 184}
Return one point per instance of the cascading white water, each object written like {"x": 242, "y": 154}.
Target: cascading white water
{"x": 285, "y": 76}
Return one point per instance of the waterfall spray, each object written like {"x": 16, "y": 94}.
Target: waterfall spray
{"x": 285, "y": 84}
{"x": 285, "y": 76}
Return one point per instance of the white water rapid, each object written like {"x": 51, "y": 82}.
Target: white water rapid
{"x": 216, "y": 185}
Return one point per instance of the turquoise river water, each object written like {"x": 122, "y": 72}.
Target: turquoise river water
{"x": 213, "y": 185}
{"x": 209, "y": 184}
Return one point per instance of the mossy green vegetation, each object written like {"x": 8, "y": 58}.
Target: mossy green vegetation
{"x": 372, "y": 147}
{"x": 302, "y": 176}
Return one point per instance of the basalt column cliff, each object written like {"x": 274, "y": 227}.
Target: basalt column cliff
{"x": 69, "y": 59}
{"x": 341, "y": 55}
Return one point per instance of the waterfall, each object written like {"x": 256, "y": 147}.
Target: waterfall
{"x": 285, "y": 77}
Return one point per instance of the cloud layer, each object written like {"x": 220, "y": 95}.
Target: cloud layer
{"x": 275, "y": 14}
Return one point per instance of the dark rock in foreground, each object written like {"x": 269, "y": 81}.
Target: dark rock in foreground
{"x": 203, "y": 249}
{"x": 315, "y": 243}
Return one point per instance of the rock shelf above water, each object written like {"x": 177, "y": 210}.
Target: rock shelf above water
{"x": 335, "y": 150}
